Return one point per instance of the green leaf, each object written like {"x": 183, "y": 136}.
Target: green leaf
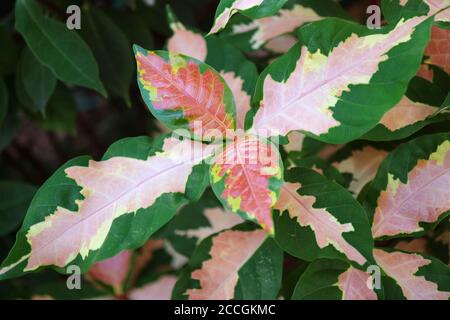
{"x": 14, "y": 200}
{"x": 133, "y": 27}
{"x": 58, "y": 48}
{"x": 114, "y": 215}
{"x": 37, "y": 80}
{"x": 409, "y": 194}
{"x": 11, "y": 125}
{"x": 112, "y": 50}
{"x": 60, "y": 114}
{"x": 3, "y": 100}
{"x": 317, "y": 218}
{"x": 8, "y": 54}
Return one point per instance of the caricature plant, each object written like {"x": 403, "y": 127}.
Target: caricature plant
{"x": 326, "y": 176}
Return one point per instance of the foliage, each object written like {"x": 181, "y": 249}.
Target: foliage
{"x": 298, "y": 154}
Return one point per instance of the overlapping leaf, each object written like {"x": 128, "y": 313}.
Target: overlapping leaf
{"x": 362, "y": 165}
{"x": 251, "y": 8}
{"x": 313, "y": 88}
{"x": 420, "y": 278}
{"x": 197, "y": 221}
{"x": 410, "y": 191}
{"x": 89, "y": 211}
{"x": 418, "y": 108}
{"x": 334, "y": 280}
{"x": 113, "y": 271}
{"x": 274, "y": 32}
{"x": 111, "y": 49}
{"x": 58, "y": 48}
{"x": 235, "y": 264}
{"x": 239, "y": 74}
{"x": 318, "y": 218}
{"x": 246, "y": 177}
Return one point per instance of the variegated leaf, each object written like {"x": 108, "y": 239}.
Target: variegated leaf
{"x": 161, "y": 289}
{"x": 420, "y": 278}
{"x": 438, "y": 49}
{"x": 239, "y": 74}
{"x": 362, "y": 165}
{"x": 183, "y": 92}
{"x": 273, "y": 32}
{"x": 197, "y": 221}
{"x": 89, "y": 211}
{"x": 412, "y": 187}
{"x": 185, "y": 41}
{"x": 246, "y": 177}
{"x": 251, "y": 8}
{"x": 235, "y": 264}
{"x": 432, "y": 7}
{"x": 315, "y": 89}
{"x": 318, "y": 218}
{"x": 334, "y": 280}
{"x": 405, "y": 113}
{"x": 419, "y": 107}
{"x": 113, "y": 271}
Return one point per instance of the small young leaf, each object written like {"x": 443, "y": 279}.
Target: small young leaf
{"x": 58, "y": 48}
{"x": 246, "y": 177}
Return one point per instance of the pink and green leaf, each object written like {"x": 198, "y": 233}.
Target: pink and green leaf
{"x": 314, "y": 89}
{"x": 114, "y": 271}
{"x": 231, "y": 265}
{"x": 161, "y": 289}
{"x": 185, "y": 93}
{"x": 326, "y": 279}
{"x": 73, "y": 215}
{"x": 419, "y": 277}
{"x": 246, "y": 177}
{"x": 362, "y": 165}
{"x": 251, "y": 8}
{"x": 410, "y": 190}
{"x": 317, "y": 218}
{"x": 274, "y": 32}
{"x": 238, "y": 73}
